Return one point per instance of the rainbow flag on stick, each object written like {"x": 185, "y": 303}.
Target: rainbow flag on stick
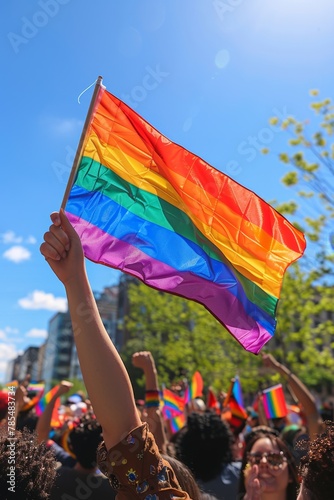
{"x": 173, "y": 403}
{"x": 45, "y": 400}
{"x": 146, "y": 206}
{"x": 274, "y": 402}
{"x": 38, "y": 389}
{"x": 195, "y": 388}
{"x": 234, "y": 400}
{"x": 176, "y": 423}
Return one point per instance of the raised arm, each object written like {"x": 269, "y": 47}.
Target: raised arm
{"x": 145, "y": 361}
{"x": 303, "y": 395}
{"x": 44, "y": 421}
{"x": 104, "y": 374}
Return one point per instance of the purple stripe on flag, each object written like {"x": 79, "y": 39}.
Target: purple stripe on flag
{"x": 104, "y": 249}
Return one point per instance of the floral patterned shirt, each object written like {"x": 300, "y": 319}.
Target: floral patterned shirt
{"x": 136, "y": 469}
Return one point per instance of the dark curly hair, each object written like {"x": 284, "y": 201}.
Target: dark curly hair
{"x": 35, "y": 467}
{"x": 317, "y": 466}
{"x": 204, "y": 445}
{"x": 84, "y": 440}
{"x": 264, "y": 432}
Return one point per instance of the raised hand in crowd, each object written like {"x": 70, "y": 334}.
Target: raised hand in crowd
{"x": 44, "y": 422}
{"x": 106, "y": 379}
{"x": 299, "y": 390}
{"x": 21, "y": 399}
{"x": 152, "y": 415}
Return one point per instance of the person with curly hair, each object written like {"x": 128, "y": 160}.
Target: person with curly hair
{"x": 317, "y": 467}
{"x": 27, "y": 469}
{"x": 268, "y": 470}
{"x": 205, "y": 446}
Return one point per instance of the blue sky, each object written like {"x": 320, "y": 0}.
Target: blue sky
{"x": 207, "y": 73}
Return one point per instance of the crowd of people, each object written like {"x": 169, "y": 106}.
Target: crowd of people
{"x": 110, "y": 446}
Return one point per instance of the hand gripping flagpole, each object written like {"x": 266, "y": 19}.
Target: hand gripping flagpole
{"x": 78, "y": 154}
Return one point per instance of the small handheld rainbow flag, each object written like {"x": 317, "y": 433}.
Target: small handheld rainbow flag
{"x": 173, "y": 403}
{"x": 274, "y": 402}
{"x": 176, "y": 423}
{"x": 38, "y": 389}
{"x": 45, "y": 400}
{"x": 234, "y": 400}
{"x": 195, "y": 388}
{"x": 148, "y": 207}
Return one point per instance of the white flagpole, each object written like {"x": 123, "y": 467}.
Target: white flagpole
{"x": 80, "y": 147}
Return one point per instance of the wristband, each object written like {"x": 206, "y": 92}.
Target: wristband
{"x": 152, "y": 399}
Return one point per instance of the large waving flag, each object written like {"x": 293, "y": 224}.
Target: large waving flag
{"x": 147, "y": 206}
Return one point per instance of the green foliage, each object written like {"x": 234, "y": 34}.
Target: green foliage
{"x": 183, "y": 337}
{"x": 290, "y": 179}
{"x": 304, "y": 338}
{"x": 312, "y": 166}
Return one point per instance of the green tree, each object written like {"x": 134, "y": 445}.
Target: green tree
{"x": 310, "y": 158}
{"x": 304, "y": 339}
{"x": 184, "y": 337}
{"x": 305, "y": 334}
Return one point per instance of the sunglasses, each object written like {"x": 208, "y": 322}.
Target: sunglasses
{"x": 274, "y": 459}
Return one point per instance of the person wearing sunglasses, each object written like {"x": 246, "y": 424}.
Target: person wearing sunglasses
{"x": 268, "y": 470}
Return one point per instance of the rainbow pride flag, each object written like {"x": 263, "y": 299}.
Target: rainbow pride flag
{"x": 195, "y": 388}
{"x": 176, "y": 423}
{"x": 274, "y": 402}
{"x": 173, "y": 403}
{"x": 45, "y": 400}
{"x": 234, "y": 400}
{"x": 37, "y": 389}
{"x": 148, "y": 207}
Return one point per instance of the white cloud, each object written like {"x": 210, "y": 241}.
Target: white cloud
{"x": 41, "y": 300}
{"x": 8, "y": 331}
{"x": 37, "y": 333}
{"x": 31, "y": 240}
{"x": 9, "y": 237}
{"x": 17, "y": 254}
{"x": 7, "y": 353}
{"x": 64, "y": 126}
